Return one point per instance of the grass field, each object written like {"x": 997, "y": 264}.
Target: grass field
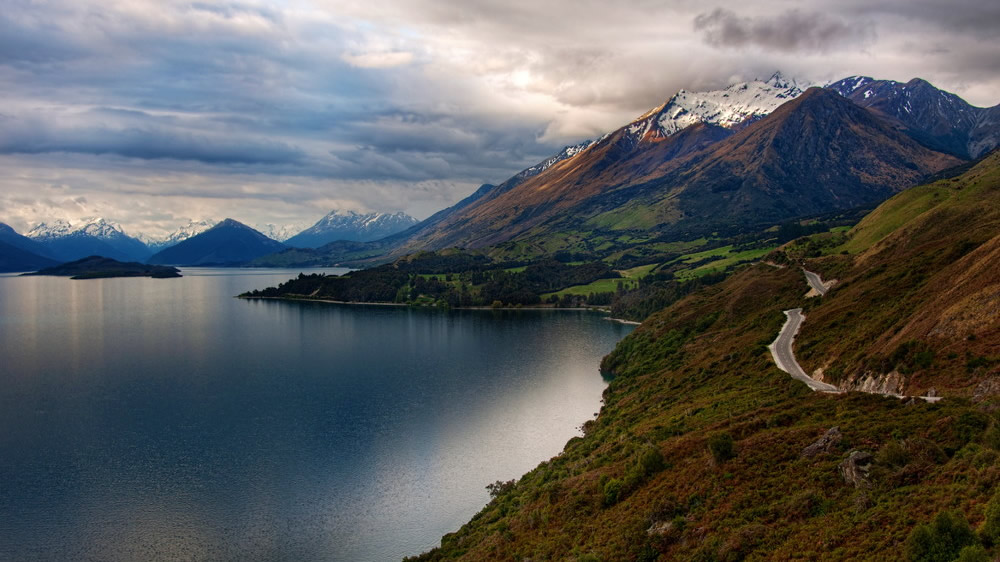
{"x": 727, "y": 257}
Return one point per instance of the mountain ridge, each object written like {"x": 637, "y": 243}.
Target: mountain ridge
{"x": 228, "y": 243}
{"x": 351, "y": 226}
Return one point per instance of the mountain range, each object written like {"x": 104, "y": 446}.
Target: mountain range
{"x": 67, "y": 242}
{"x": 718, "y": 163}
{"x": 937, "y": 119}
{"x": 351, "y": 226}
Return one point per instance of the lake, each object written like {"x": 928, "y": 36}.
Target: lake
{"x": 164, "y": 419}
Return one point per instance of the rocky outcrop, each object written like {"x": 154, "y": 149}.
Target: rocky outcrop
{"x": 874, "y": 383}
{"x": 989, "y": 388}
{"x": 855, "y": 468}
{"x": 987, "y": 394}
{"x": 824, "y": 444}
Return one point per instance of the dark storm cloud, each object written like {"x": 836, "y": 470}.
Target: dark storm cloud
{"x": 980, "y": 18}
{"x": 792, "y": 31}
{"x": 147, "y": 143}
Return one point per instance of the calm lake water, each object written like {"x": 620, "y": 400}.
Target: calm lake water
{"x": 150, "y": 419}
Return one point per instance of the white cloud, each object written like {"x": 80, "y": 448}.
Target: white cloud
{"x": 378, "y": 60}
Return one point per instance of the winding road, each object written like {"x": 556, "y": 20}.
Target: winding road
{"x": 815, "y": 282}
{"x": 784, "y": 357}
{"x": 781, "y": 351}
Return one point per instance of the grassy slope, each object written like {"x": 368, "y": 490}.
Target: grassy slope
{"x": 699, "y": 369}
{"x": 924, "y": 268}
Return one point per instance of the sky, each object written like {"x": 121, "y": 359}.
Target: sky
{"x": 156, "y": 112}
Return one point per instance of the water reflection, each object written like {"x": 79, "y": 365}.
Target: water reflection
{"x": 148, "y": 418}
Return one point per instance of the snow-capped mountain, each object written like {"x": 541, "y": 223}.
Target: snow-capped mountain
{"x": 54, "y": 229}
{"x": 192, "y": 228}
{"x": 731, "y": 106}
{"x": 349, "y": 225}
{"x": 95, "y": 236}
{"x": 279, "y": 232}
{"x": 97, "y": 227}
{"x": 567, "y": 152}
{"x": 734, "y": 105}
{"x": 935, "y": 118}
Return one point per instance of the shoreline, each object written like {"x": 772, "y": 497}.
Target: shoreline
{"x": 529, "y": 307}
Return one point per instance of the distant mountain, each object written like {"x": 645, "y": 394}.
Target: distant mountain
{"x": 279, "y": 232}
{"x": 10, "y": 236}
{"x": 182, "y": 233}
{"x": 15, "y": 259}
{"x": 938, "y": 119}
{"x": 67, "y": 242}
{"x": 351, "y": 226}
{"x": 227, "y": 243}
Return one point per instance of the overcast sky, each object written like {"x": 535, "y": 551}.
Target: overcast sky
{"x": 153, "y": 112}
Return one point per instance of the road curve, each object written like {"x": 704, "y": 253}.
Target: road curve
{"x": 781, "y": 351}
{"x": 815, "y": 282}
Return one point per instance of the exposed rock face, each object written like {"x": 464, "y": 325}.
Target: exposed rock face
{"x": 855, "y": 468}
{"x": 874, "y": 383}
{"x": 987, "y": 394}
{"x": 660, "y": 528}
{"x": 824, "y": 444}
{"x": 989, "y": 388}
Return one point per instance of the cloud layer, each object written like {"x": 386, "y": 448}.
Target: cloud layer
{"x": 152, "y": 112}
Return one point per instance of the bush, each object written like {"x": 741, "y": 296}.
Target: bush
{"x": 990, "y": 531}
{"x": 973, "y": 554}
{"x": 500, "y": 488}
{"x": 940, "y": 541}
{"x": 612, "y": 491}
{"x": 651, "y": 461}
{"x": 721, "y": 447}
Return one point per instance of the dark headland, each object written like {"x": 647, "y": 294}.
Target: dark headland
{"x": 97, "y": 267}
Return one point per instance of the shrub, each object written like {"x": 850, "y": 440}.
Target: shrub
{"x": 990, "y": 531}
{"x": 940, "y": 540}
{"x": 721, "y": 447}
{"x": 500, "y": 488}
{"x": 612, "y": 491}
{"x": 651, "y": 461}
{"x": 974, "y": 553}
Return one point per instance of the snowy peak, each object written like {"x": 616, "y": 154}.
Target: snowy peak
{"x": 100, "y": 228}
{"x": 938, "y": 119}
{"x": 367, "y": 221}
{"x": 55, "y": 229}
{"x": 96, "y": 227}
{"x": 182, "y": 233}
{"x": 568, "y": 152}
{"x": 727, "y": 108}
{"x": 352, "y": 226}
{"x": 279, "y": 232}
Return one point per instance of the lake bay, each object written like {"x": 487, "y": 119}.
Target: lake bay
{"x": 165, "y": 419}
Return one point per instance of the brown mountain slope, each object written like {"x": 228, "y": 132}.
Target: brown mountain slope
{"x": 920, "y": 297}
{"x": 614, "y": 162}
{"x": 815, "y": 154}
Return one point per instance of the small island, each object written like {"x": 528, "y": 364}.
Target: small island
{"x": 98, "y": 267}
